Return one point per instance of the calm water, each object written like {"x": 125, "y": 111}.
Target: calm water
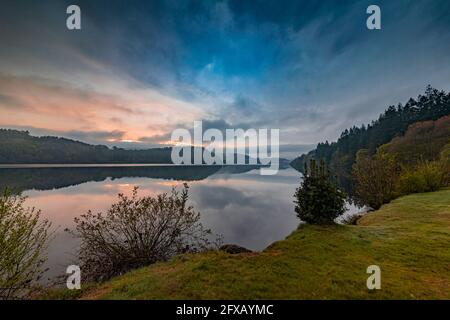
{"x": 246, "y": 208}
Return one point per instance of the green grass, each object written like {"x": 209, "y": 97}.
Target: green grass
{"x": 409, "y": 239}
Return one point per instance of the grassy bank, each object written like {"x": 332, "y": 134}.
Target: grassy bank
{"x": 409, "y": 239}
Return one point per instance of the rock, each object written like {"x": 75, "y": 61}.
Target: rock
{"x": 234, "y": 249}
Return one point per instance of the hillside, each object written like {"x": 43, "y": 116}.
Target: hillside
{"x": 407, "y": 238}
{"x": 20, "y": 147}
{"x": 422, "y": 141}
{"x": 394, "y": 122}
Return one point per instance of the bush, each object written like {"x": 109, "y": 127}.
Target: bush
{"x": 136, "y": 232}
{"x": 425, "y": 177}
{"x": 318, "y": 200}
{"x": 445, "y": 163}
{"x": 375, "y": 178}
{"x": 411, "y": 182}
{"x": 24, "y": 236}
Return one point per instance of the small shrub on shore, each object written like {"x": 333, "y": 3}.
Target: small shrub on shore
{"x": 138, "y": 231}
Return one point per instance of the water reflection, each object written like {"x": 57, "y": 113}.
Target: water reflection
{"x": 22, "y": 177}
{"x": 246, "y": 208}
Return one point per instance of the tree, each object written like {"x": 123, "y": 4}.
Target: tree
{"x": 137, "y": 232}
{"x": 375, "y": 178}
{"x": 24, "y": 236}
{"x": 318, "y": 200}
{"x": 341, "y": 155}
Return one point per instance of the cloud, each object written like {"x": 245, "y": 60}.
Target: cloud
{"x": 96, "y": 136}
{"x": 156, "y": 139}
{"x": 135, "y": 112}
{"x": 309, "y": 68}
{"x": 7, "y": 101}
{"x": 218, "y": 197}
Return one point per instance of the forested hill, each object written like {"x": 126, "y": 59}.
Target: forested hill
{"x": 340, "y": 155}
{"x": 22, "y": 148}
{"x": 19, "y": 147}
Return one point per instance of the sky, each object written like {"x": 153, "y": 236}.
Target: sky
{"x": 137, "y": 70}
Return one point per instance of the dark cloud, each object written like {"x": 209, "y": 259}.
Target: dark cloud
{"x": 10, "y": 102}
{"x": 222, "y": 125}
{"x": 244, "y": 108}
{"x": 95, "y": 136}
{"x": 156, "y": 139}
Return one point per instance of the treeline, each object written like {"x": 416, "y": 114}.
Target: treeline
{"x": 419, "y": 161}
{"x": 22, "y": 148}
{"x": 19, "y": 147}
{"x": 341, "y": 155}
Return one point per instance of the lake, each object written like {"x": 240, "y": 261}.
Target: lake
{"x": 246, "y": 208}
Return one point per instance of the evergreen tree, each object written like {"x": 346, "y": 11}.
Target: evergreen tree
{"x": 318, "y": 200}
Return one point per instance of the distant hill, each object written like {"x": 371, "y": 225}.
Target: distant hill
{"x": 22, "y": 148}
{"x": 340, "y": 155}
{"x": 19, "y": 147}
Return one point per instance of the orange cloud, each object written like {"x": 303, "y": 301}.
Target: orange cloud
{"x": 114, "y": 105}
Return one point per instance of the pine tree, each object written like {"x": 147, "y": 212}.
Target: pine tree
{"x": 318, "y": 200}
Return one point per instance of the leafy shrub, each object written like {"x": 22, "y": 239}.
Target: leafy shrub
{"x": 318, "y": 200}
{"x": 425, "y": 177}
{"x": 445, "y": 163}
{"x": 24, "y": 236}
{"x": 375, "y": 178}
{"x": 136, "y": 232}
{"x": 411, "y": 182}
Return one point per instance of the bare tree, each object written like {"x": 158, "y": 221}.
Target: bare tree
{"x": 136, "y": 232}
